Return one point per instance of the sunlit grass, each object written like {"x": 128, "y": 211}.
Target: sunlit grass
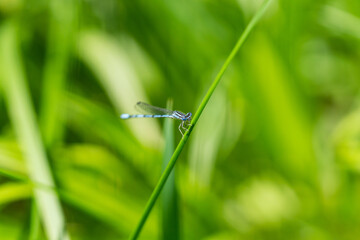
{"x": 23, "y": 116}
{"x": 194, "y": 120}
{"x": 274, "y": 155}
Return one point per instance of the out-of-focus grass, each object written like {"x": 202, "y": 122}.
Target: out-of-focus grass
{"x": 194, "y": 118}
{"x": 93, "y": 48}
{"x": 287, "y": 129}
{"x": 275, "y": 155}
{"x": 60, "y": 40}
{"x": 23, "y": 117}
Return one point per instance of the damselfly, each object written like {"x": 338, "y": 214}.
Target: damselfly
{"x": 157, "y": 112}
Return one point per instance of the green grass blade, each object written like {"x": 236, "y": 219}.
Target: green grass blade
{"x": 340, "y": 21}
{"x": 11, "y": 158}
{"x": 116, "y": 72}
{"x": 170, "y": 216}
{"x": 14, "y": 191}
{"x": 239, "y": 43}
{"x": 34, "y": 232}
{"x": 196, "y": 117}
{"x": 273, "y": 91}
{"x": 11, "y": 174}
{"x": 60, "y": 38}
{"x": 23, "y": 119}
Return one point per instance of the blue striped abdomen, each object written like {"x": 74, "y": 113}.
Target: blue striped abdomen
{"x": 127, "y": 116}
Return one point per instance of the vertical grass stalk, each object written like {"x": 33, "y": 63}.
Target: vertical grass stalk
{"x": 60, "y": 38}
{"x": 23, "y": 119}
{"x": 150, "y": 204}
{"x": 169, "y": 205}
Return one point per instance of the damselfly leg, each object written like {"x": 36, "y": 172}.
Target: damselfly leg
{"x": 184, "y": 125}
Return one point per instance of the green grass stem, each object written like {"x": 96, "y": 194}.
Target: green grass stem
{"x": 34, "y": 231}
{"x": 169, "y": 203}
{"x": 150, "y": 204}
{"x": 60, "y": 38}
{"x": 23, "y": 119}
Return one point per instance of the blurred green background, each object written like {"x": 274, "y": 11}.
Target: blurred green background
{"x": 275, "y": 155}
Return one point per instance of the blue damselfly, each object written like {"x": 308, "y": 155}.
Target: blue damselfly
{"x": 157, "y": 112}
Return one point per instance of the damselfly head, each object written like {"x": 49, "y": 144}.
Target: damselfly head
{"x": 188, "y": 116}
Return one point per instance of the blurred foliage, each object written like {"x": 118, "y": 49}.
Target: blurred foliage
{"x": 275, "y": 155}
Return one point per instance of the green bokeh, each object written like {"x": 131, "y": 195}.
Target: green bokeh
{"x": 275, "y": 155}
